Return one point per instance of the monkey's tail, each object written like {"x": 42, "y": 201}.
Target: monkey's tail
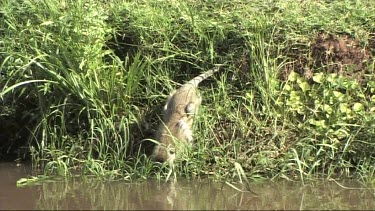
{"x": 196, "y": 80}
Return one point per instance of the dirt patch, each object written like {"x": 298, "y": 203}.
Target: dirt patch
{"x": 329, "y": 53}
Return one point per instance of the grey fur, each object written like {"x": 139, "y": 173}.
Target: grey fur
{"x": 178, "y": 115}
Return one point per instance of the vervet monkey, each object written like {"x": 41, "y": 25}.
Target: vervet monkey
{"x": 178, "y": 116}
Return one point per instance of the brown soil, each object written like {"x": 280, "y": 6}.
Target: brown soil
{"x": 330, "y": 53}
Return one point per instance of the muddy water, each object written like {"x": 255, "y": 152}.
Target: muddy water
{"x": 204, "y": 194}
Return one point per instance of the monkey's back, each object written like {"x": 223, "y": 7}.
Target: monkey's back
{"x": 176, "y": 107}
{"x": 178, "y": 116}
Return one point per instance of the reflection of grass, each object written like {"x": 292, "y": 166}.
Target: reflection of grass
{"x": 90, "y": 78}
{"x": 204, "y": 194}
{"x": 35, "y": 180}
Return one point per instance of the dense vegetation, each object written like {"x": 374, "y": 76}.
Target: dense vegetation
{"x": 83, "y": 83}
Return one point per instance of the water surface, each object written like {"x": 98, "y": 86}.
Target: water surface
{"x": 187, "y": 195}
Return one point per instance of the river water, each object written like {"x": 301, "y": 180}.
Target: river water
{"x": 204, "y": 194}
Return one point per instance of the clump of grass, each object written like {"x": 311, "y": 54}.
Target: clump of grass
{"x": 92, "y": 77}
{"x": 83, "y": 107}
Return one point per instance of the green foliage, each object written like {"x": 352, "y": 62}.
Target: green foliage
{"x": 84, "y": 104}
{"x": 335, "y": 113}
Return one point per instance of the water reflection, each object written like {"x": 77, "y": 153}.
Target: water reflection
{"x": 187, "y": 195}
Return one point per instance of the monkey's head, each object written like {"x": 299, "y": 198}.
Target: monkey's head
{"x": 164, "y": 153}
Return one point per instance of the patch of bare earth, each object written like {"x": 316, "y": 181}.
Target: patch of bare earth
{"x": 330, "y": 53}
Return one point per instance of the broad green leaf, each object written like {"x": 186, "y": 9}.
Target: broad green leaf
{"x": 294, "y": 96}
{"x": 293, "y": 76}
{"x": 318, "y": 77}
{"x": 343, "y": 108}
{"x": 332, "y": 77}
{"x": 318, "y": 123}
{"x": 327, "y": 108}
{"x": 338, "y": 95}
{"x": 358, "y": 107}
{"x": 304, "y": 86}
{"x": 287, "y": 87}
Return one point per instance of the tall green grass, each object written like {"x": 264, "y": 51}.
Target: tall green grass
{"x": 91, "y": 77}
